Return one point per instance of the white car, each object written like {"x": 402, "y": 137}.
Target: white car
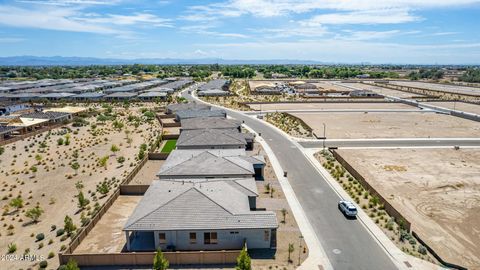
{"x": 347, "y": 208}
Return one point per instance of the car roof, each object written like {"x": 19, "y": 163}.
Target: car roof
{"x": 348, "y": 203}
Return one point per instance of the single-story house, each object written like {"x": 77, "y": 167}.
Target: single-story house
{"x": 57, "y": 96}
{"x": 89, "y": 96}
{"x": 215, "y": 139}
{"x": 6, "y": 109}
{"x": 210, "y": 122}
{"x": 213, "y": 93}
{"x": 222, "y": 163}
{"x": 52, "y": 116}
{"x": 191, "y": 215}
{"x": 186, "y": 114}
{"x": 6, "y": 131}
{"x": 121, "y": 96}
{"x": 173, "y": 108}
{"x": 153, "y": 95}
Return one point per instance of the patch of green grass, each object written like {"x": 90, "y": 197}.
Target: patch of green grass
{"x": 169, "y": 146}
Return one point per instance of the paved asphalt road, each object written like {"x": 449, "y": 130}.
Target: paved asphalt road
{"x": 347, "y": 243}
{"x": 392, "y": 143}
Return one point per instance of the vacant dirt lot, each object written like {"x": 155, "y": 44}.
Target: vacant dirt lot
{"x": 332, "y": 106}
{"x": 460, "y": 106}
{"x": 383, "y": 91}
{"x": 107, "y": 235}
{"x": 354, "y": 125}
{"x": 40, "y": 170}
{"x": 438, "y": 190}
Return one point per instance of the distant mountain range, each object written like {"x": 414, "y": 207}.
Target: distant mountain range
{"x": 84, "y": 61}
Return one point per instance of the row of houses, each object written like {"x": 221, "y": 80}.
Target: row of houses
{"x": 27, "y": 119}
{"x": 143, "y": 91}
{"x": 204, "y": 197}
{"x": 218, "y": 87}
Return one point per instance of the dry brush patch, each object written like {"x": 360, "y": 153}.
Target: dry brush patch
{"x": 68, "y": 171}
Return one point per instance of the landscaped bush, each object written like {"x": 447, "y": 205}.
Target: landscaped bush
{"x": 422, "y": 250}
{"x": 43, "y": 264}
{"x": 40, "y": 236}
{"x": 60, "y": 232}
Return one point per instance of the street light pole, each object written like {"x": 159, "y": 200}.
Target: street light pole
{"x": 299, "y": 248}
{"x": 324, "y": 135}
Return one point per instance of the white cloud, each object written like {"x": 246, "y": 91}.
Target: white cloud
{"x": 348, "y": 51}
{"x": 384, "y": 16}
{"x": 203, "y": 29}
{"x": 136, "y": 18}
{"x": 51, "y": 19}
{"x": 270, "y": 8}
{"x": 73, "y": 19}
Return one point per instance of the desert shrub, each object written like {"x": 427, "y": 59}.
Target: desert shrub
{"x": 60, "y": 232}
{"x": 43, "y": 264}
{"x": 40, "y": 236}
{"x": 422, "y": 250}
{"x": 12, "y": 247}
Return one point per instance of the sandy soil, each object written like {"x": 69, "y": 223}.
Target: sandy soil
{"x": 171, "y": 130}
{"x": 460, "y": 106}
{"x": 107, "y": 235}
{"x": 390, "y": 125}
{"x": 52, "y": 187}
{"x": 438, "y": 190}
{"x": 287, "y": 232}
{"x": 331, "y": 106}
{"x": 440, "y": 87}
{"x": 147, "y": 173}
{"x": 383, "y": 91}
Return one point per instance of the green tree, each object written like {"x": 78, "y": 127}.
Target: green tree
{"x": 60, "y": 141}
{"x": 103, "y": 161}
{"x": 159, "y": 261}
{"x": 38, "y": 158}
{"x": 291, "y": 249}
{"x": 2, "y": 150}
{"x": 79, "y": 185}
{"x": 16, "y": 203}
{"x": 34, "y": 170}
{"x": 103, "y": 188}
{"x": 71, "y": 265}
{"x": 243, "y": 260}
{"x": 75, "y": 166}
{"x": 82, "y": 201}
{"x": 34, "y": 213}
{"x": 114, "y": 149}
{"x": 68, "y": 225}
{"x": 284, "y": 214}
{"x": 67, "y": 139}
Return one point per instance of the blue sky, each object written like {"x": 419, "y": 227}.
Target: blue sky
{"x": 342, "y": 31}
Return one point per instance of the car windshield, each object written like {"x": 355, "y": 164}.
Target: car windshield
{"x": 352, "y": 208}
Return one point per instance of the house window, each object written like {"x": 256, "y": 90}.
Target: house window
{"x": 233, "y": 232}
{"x": 210, "y": 238}
{"x": 162, "y": 238}
{"x": 266, "y": 235}
{"x": 193, "y": 238}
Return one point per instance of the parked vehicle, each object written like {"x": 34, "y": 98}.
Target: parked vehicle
{"x": 347, "y": 208}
